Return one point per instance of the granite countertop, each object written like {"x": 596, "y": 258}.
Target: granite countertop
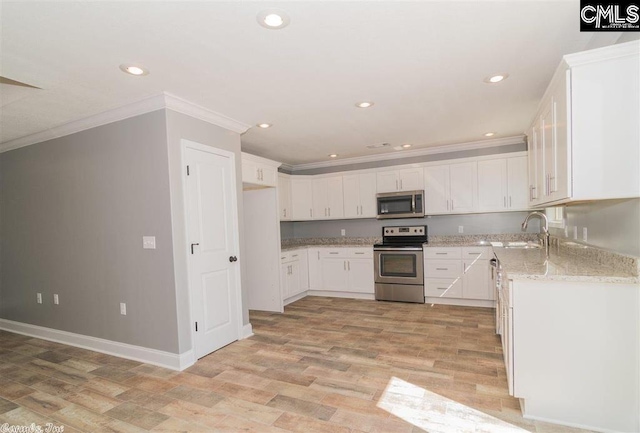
{"x": 532, "y": 264}
{"x": 292, "y": 244}
{"x": 568, "y": 261}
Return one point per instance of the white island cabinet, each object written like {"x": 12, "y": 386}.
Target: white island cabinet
{"x": 571, "y": 351}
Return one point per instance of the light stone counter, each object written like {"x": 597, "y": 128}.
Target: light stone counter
{"x": 532, "y": 264}
{"x": 291, "y": 244}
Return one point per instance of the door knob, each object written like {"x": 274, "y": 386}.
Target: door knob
{"x": 233, "y": 259}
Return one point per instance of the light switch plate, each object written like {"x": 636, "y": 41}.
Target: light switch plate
{"x": 39, "y": 298}
{"x": 123, "y": 308}
{"x": 460, "y": 229}
{"x": 56, "y": 299}
{"x": 149, "y": 242}
{"x": 584, "y": 234}
{"x": 343, "y": 232}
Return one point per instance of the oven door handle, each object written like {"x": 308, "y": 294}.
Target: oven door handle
{"x": 398, "y": 250}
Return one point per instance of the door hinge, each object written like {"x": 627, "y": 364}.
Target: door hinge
{"x": 187, "y": 170}
{"x": 196, "y": 326}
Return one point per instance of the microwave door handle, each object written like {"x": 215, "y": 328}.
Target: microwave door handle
{"x": 413, "y": 203}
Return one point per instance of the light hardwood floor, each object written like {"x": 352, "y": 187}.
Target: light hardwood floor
{"x": 325, "y": 365}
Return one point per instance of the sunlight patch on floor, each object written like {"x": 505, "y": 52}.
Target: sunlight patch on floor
{"x": 435, "y": 413}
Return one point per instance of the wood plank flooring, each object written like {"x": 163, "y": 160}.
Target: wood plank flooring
{"x": 325, "y": 365}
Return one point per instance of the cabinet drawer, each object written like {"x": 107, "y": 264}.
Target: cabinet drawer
{"x": 360, "y": 253}
{"x": 442, "y": 253}
{"x": 290, "y": 256}
{"x": 477, "y": 253}
{"x": 443, "y": 287}
{"x": 333, "y": 252}
{"x": 442, "y": 268}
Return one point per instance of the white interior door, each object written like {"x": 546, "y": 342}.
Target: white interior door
{"x": 213, "y": 244}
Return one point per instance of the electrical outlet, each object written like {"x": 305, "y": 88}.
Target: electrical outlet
{"x": 123, "y": 308}
{"x": 56, "y": 299}
{"x": 343, "y": 232}
{"x": 575, "y": 232}
{"x": 39, "y": 298}
{"x": 460, "y": 229}
{"x": 584, "y": 234}
{"x": 149, "y": 242}
{"x": 566, "y": 231}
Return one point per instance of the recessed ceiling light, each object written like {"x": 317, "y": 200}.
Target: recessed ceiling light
{"x": 406, "y": 146}
{"x": 489, "y": 134}
{"x": 364, "y": 104}
{"x": 273, "y": 19}
{"x": 264, "y": 125}
{"x": 496, "y": 78}
{"x": 134, "y": 69}
{"x": 333, "y": 155}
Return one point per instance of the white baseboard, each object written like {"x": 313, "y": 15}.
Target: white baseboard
{"x": 294, "y": 298}
{"x": 247, "y": 331}
{"x": 569, "y": 424}
{"x": 160, "y": 358}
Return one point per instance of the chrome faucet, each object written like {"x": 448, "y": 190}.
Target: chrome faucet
{"x": 545, "y": 229}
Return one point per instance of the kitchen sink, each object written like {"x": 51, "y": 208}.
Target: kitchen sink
{"x": 522, "y": 245}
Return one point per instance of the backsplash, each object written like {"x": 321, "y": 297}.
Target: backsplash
{"x": 438, "y": 225}
{"x": 611, "y": 224}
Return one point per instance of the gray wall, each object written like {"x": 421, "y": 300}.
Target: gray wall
{"x": 521, "y": 147}
{"x": 489, "y": 223}
{"x": 611, "y": 224}
{"x": 179, "y": 127}
{"x": 74, "y": 210}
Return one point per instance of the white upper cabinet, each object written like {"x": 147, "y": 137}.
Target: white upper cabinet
{"x": 502, "y": 184}
{"x": 259, "y": 171}
{"x": 451, "y": 188}
{"x": 284, "y": 196}
{"x": 436, "y": 192}
{"x": 408, "y": 179}
{"x": 517, "y": 183}
{"x": 301, "y": 199}
{"x": 327, "y": 198}
{"x": 359, "y": 195}
{"x": 464, "y": 186}
{"x": 584, "y": 139}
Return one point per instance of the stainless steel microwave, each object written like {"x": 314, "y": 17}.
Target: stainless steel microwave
{"x": 404, "y": 204}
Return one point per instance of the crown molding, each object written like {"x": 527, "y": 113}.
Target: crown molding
{"x": 183, "y": 106}
{"x": 402, "y": 154}
{"x": 146, "y": 105}
{"x": 625, "y": 49}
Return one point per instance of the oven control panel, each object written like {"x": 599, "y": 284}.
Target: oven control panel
{"x": 404, "y": 231}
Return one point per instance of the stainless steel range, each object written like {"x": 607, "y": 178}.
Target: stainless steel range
{"x": 398, "y": 264}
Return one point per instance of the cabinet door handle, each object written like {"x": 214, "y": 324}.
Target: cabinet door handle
{"x": 333, "y": 252}
{"x": 504, "y": 201}
{"x": 348, "y": 265}
{"x": 441, "y": 254}
{"x": 554, "y": 188}
{"x": 311, "y": 213}
{"x": 318, "y": 255}
{"x": 442, "y": 269}
{"x": 400, "y": 183}
{"x": 285, "y": 213}
{"x": 533, "y": 192}
{"x": 344, "y": 264}
{"x": 442, "y": 288}
{"x": 451, "y": 204}
{"x": 192, "y": 245}
{"x": 361, "y": 210}
{"x": 359, "y": 253}
{"x": 396, "y": 184}
{"x": 509, "y": 201}
{"x": 329, "y": 211}
{"x": 447, "y": 204}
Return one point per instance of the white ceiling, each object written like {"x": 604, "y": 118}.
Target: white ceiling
{"x": 422, "y": 63}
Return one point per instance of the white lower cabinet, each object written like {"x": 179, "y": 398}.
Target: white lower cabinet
{"x": 315, "y": 269}
{"x": 458, "y": 273}
{"x": 294, "y": 273}
{"x": 347, "y": 269}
